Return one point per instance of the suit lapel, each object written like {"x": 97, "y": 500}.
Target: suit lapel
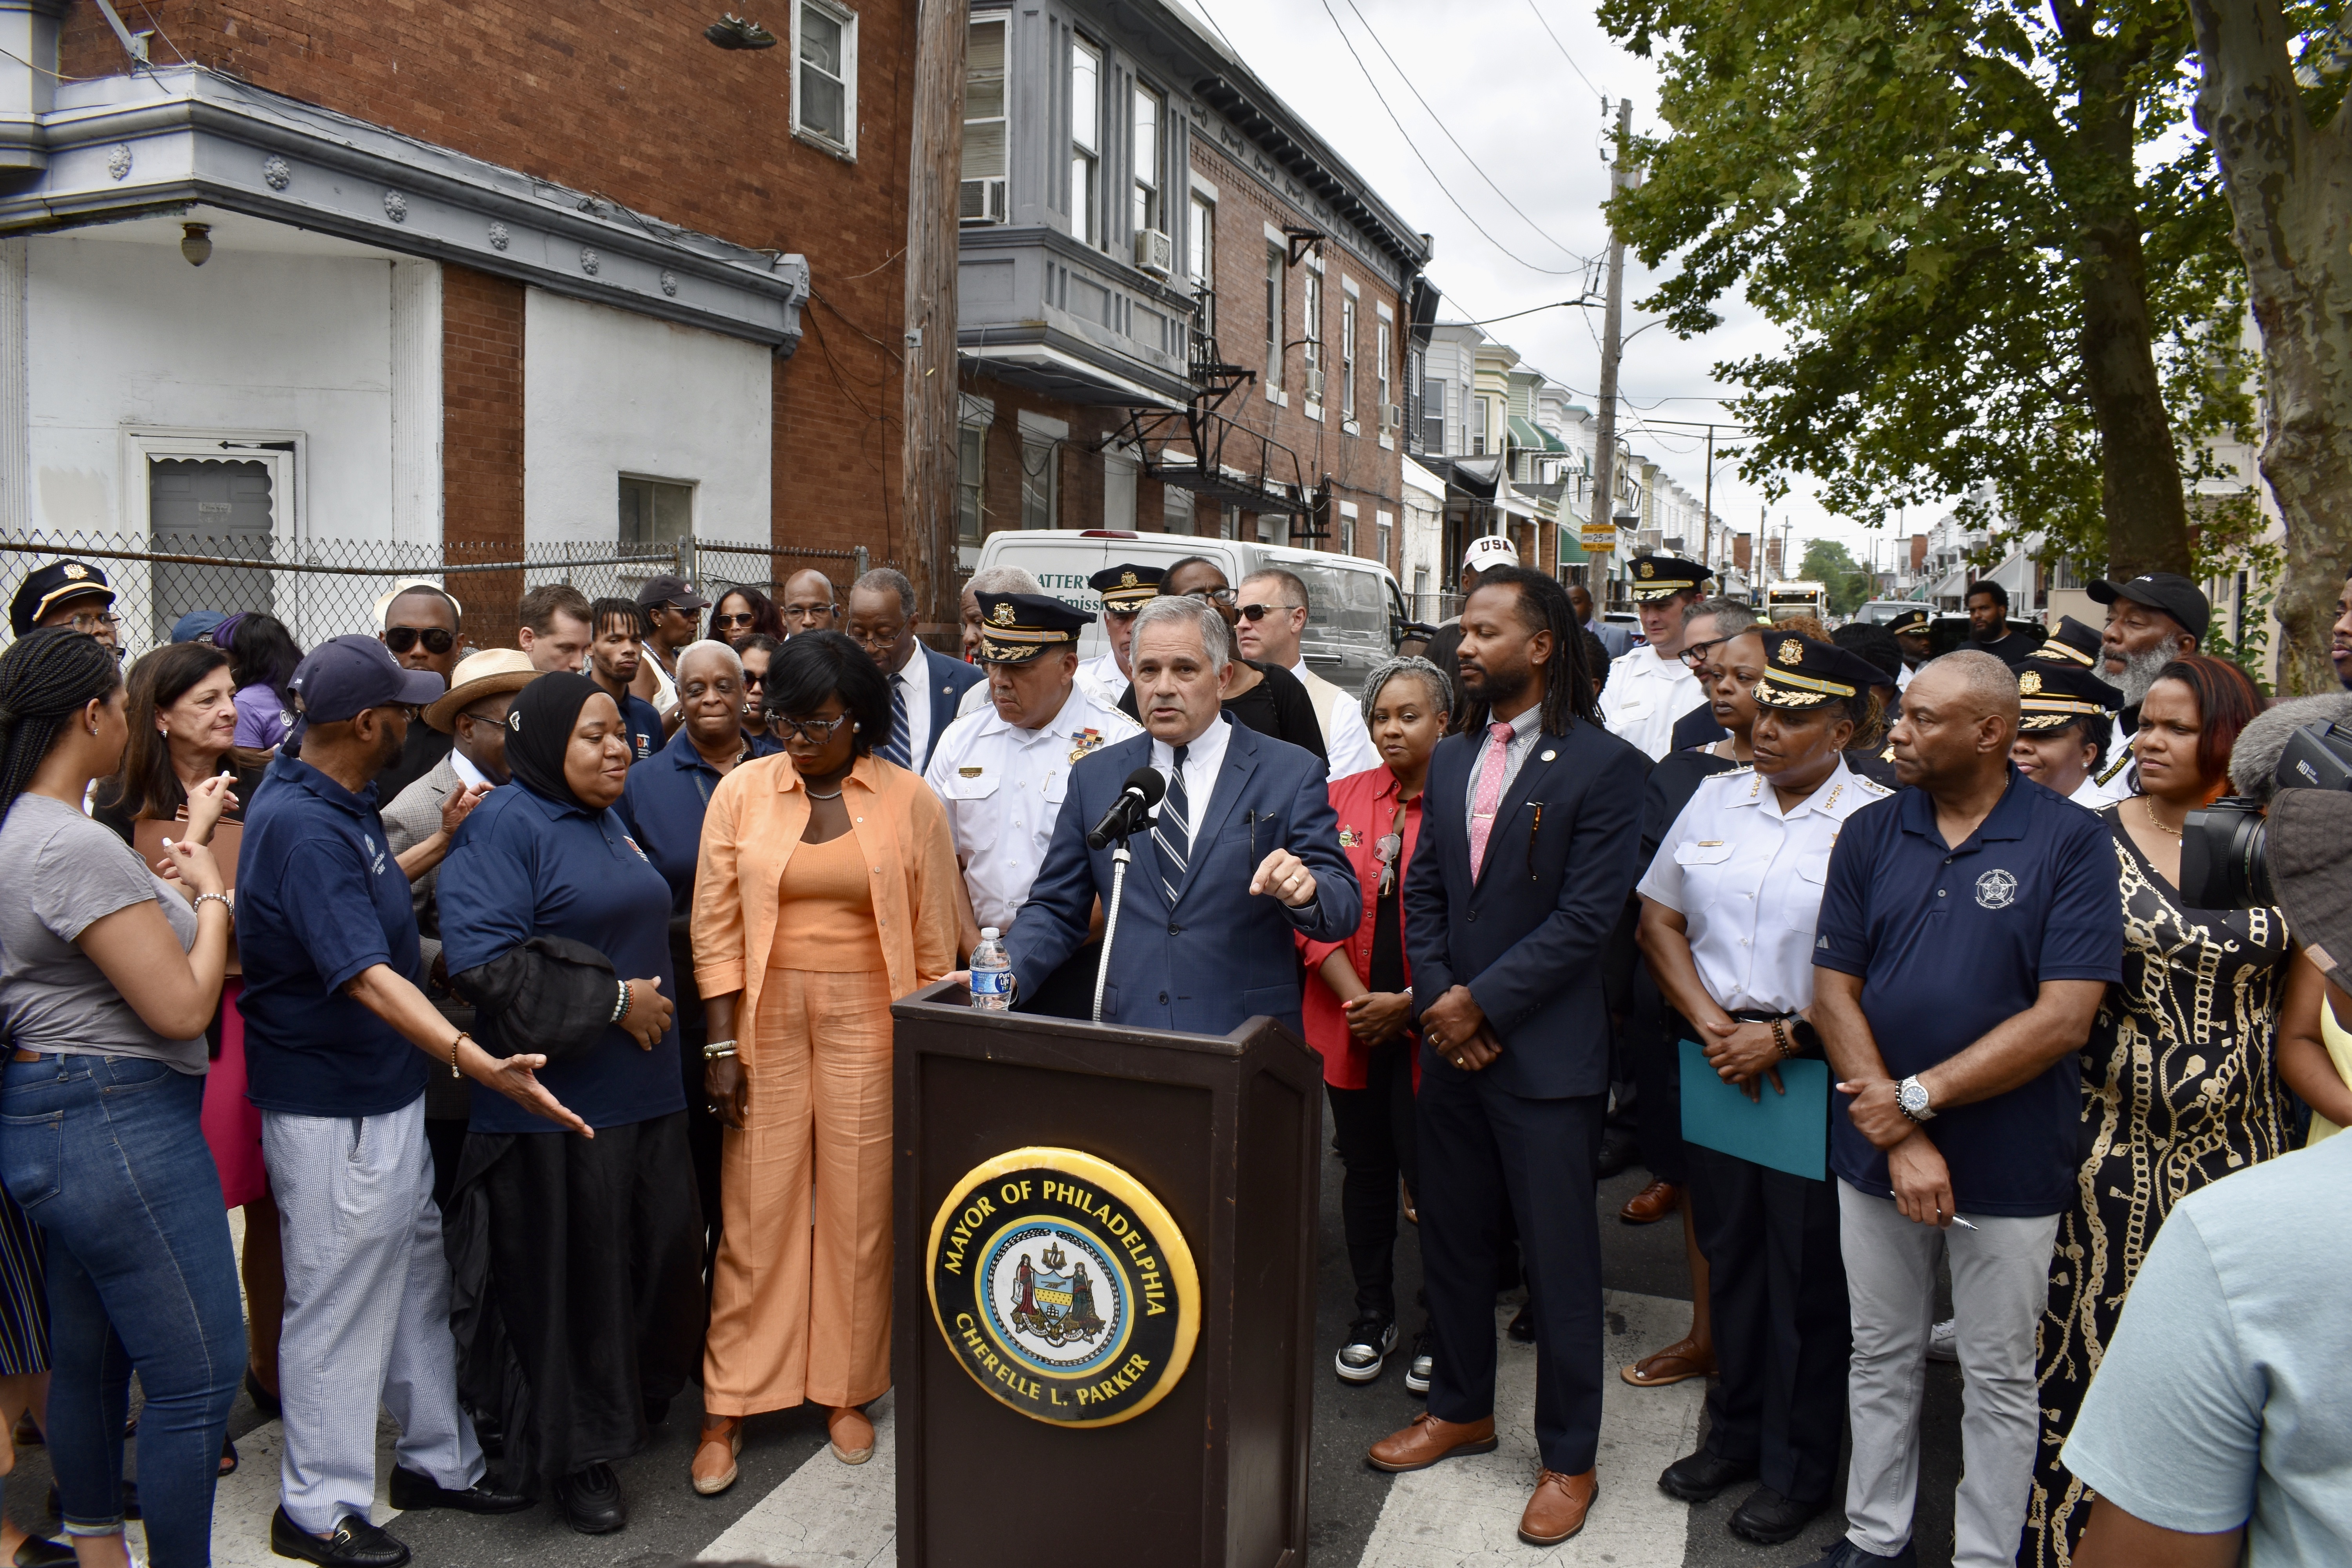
{"x": 1233, "y": 781}
{"x": 1526, "y": 783}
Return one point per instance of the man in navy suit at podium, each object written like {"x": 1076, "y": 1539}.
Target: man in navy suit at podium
{"x": 1530, "y": 840}
{"x": 1243, "y": 851}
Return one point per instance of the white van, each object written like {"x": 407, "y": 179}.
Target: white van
{"x": 1354, "y": 608}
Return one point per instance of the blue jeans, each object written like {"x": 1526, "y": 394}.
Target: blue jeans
{"x": 107, "y": 1156}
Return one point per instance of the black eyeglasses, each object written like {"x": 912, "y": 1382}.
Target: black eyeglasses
{"x": 400, "y": 639}
{"x": 1695, "y": 654}
{"x": 810, "y": 731}
{"x": 1259, "y": 612}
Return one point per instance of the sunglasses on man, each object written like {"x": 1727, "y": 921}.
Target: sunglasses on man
{"x": 436, "y": 639}
{"x": 1260, "y": 612}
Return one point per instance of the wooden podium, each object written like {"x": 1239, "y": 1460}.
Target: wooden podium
{"x": 1012, "y": 1449}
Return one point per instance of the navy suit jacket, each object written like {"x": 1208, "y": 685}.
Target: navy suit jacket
{"x": 1530, "y": 936}
{"x": 950, "y": 679}
{"x": 1218, "y": 955}
{"x": 1697, "y": 728}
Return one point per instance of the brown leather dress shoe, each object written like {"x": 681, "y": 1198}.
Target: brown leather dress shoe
{"x": 1428, "y": 1440}
{"x": 1652, "y": 1203}
{"x": 1678, "y": 1362}
{"x": 1557, "y": 1510}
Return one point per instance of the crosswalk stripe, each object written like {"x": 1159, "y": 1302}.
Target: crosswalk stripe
{"x": 825, "y": 1512}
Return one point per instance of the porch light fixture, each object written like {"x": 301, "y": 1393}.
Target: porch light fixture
{"x": 733, "y": 32}
{"x": 196, "y": 243}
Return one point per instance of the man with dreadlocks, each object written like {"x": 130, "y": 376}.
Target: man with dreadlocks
{"x": 1536, "y": 808}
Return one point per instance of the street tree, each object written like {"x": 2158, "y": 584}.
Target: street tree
{"x": 2002, "y": 269}
{"x": 1845, "y": 580}
{"x": 2272, "y": 101}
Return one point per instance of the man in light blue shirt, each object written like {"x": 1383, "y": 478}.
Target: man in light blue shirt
{"x": 2220, "y": 1418}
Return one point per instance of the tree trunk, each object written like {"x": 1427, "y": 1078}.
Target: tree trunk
{"x": 2289, "y": 188}
{"x": 929, "y": 390}
{"x": 2139, "y": 471}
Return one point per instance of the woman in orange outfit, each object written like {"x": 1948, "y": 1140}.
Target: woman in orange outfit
{"x": 826, "y": 890}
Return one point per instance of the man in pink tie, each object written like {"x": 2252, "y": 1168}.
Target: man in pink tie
{"x": 1531, "y": 842}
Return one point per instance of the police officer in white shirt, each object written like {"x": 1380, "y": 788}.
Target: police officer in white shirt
{"x": 1728, "y": 909}
{"x": 1273, "y": 607}
{"x": 1125, "y": 589}
{"x": 1650, "y": 686}
{"x": 2064, "y": 729}
{"x": 1001, "y": 772}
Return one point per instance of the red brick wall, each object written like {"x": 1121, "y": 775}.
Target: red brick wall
{"x": 481, "y": 441}
{"x": 625, "y": 99}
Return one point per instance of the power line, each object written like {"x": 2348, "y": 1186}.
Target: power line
{"x": 1515, "y": 315}
{"x": 1373, "y": 33}
{"x": 1443, "y": 189}
{"x": 1563, "y": 51}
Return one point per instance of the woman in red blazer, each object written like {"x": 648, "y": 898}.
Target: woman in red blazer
{"x": 1358, "y": 1004}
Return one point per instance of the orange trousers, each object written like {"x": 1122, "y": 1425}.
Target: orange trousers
{"x": 800, "y": 1305}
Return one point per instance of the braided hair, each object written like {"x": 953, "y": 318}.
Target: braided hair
{"x": 1544, "y": 606}
{"x": 46, "y": 675}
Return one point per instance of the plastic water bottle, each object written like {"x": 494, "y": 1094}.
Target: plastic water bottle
{"x": 991, "y": 973}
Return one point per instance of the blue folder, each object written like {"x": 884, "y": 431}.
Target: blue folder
{"x": 1786, "y": 1132}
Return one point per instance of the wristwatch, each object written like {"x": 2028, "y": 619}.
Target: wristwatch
{"x": 1911, "y": 1098}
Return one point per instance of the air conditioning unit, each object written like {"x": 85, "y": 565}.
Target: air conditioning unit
{"x": 1392, "y": 416}
{"x": 982, "y": 201}
{"x": 1154, "y": 252}
{"x": 1314, "y": 386}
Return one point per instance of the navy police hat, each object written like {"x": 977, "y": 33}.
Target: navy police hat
{"x": 1801, "y": 673}
{"x": 1664, "y": 576}
{"x": 48, "y": 586}
{"x": 2053, "y": 694}
{"x": 1017, "y": 627}
{"x": 2072, "y": 643}
{"x": 1126, "y": 588}
{"x": 1910, "y": 622}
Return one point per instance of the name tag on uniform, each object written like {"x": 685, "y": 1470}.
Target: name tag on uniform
{"x": 968, "y": 772}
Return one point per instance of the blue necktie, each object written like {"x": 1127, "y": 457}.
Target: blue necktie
{"x": 1168, "y": 832}
{"x": 901, "y": 748}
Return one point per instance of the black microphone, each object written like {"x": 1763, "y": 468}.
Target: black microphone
{"x": 1130, "y": 810}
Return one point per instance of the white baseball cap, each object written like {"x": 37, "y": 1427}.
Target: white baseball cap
{"x": 1489, "y": 550}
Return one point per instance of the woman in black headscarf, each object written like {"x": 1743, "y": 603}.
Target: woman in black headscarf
{"x": 578, "y": 1293}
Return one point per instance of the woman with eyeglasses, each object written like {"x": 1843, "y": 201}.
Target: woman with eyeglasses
{"x": 828, "y": 889}
{"x": 756, "y": 651}
{"x": 262, "y": 656}
{"x": 180, "y": 777}
{"x": 744, "y": 611}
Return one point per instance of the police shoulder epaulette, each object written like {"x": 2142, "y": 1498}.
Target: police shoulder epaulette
{"x": 1871, "y": 787}
{"x": 1735, "y": 772}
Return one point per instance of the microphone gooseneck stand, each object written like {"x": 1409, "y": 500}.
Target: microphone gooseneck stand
{"x": 1118, "y": 860}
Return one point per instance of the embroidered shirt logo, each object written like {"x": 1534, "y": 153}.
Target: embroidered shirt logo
{"x": 376, "y": 856}
{"x": 1996, "y": 890}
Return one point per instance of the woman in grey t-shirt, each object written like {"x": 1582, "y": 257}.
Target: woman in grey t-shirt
{"x": 107, "y": 977}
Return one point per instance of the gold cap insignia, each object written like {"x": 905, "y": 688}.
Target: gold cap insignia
{"x": 75, "y": 574}
{"x": 1649, "y": 569}
{"x": 1792, "y": 653}
{"x": 2029, "y": 683}
{"x": 1127, "y": 580}
{"x": 1003, "y": 614}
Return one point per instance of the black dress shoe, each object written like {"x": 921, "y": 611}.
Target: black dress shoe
{"x": 1619, "y": 1151}
{"x": 412, "y": 1491}
{"x": 263, "y": 1400}
{"x": 130, "y": 1501}
{"x": 1695, "y": 1478}
{"x": 1768, "y": 1519}
{"x": 592, "y": 1502}
{"x": 356, "y": 1543}
{"x": 657, "y": 1412}
{"x": 1522, "y": 1327}
{"x": 38, "y": 1553}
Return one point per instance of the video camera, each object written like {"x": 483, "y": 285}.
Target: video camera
{"x": 2225, "y": 849}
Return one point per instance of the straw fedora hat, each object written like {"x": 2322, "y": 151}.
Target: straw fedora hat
{"x": 481, "y": 675}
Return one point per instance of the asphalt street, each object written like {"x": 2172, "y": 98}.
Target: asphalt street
{"x": 795, "y": 1504}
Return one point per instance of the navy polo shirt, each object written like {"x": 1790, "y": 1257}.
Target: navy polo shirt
{"x": 764, "y": 745}
{"x": 643, "y": 724}
{"x": 319, "y": 900}
{"x": 525, "y": 867}
{"x": 663, "y": 807}
{"x": 1950, "y": 943}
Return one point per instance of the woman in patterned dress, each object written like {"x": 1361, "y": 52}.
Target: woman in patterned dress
{"x": 2180, "y": 1085}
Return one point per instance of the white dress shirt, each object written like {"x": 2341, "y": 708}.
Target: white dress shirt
{"x": 914, "y": 678}
{"x": 975, "y": 698}
{"x": 1004, "y": 787}
{"x": 467, "y": 774}
{"x": 1202, "y": 758}
{"x": 1524, "y": 731}
{"x": 1346, "y": 741}
{"x": 1645, "y": 694}
{"x": 1748, "y": 880}
{"x": 1102, "y": 676}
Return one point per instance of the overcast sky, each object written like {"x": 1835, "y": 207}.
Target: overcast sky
{"x": 1527, "y": 119}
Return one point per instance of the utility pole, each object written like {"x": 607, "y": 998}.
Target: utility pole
{"x": 1604, "y": 456}
{"x": 1706, "y": 507}
{"x": 928, "y": 391}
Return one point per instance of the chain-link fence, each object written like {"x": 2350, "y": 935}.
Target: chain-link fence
{"x": 322, "y": 588}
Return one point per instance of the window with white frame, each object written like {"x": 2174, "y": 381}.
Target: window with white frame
{"x": 1040, "y": 491}
{"x": 972, "y": 470}
{"x": 1381, "y": 385}
{"x": 1200, "y": 258}
{"x": 1346, "y": 528}
{"x": 982, "y": 195}
{"x": 1085, "y": 140}
{"x": 1148, "y": 111}
{"x": 1310, "y": 331}
{"x": 1347, "y": 357}
{"x": 1275, "y": 263}
{"x": 1384, "y": 534}
{"x": 1175, "y": 509}
{"x": 824, "y": 45}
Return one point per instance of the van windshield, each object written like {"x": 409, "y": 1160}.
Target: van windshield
{"x": 1339, "y": 601}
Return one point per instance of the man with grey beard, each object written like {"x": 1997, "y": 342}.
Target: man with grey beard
{"x": 2151, "y": 620}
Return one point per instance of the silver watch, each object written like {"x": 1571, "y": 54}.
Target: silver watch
{"x": 1911, "y": 1097}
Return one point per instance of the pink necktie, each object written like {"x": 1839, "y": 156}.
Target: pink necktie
{"x": 1490, "y": 798}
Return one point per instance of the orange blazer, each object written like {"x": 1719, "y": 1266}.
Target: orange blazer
{"x": 756, "y": 817}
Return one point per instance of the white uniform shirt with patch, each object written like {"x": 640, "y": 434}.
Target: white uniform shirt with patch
{"x": 1748, "y": 880}
{"x": 1003, "y": 787}
{"x": 1646, "y": 695}
{"x": 1100, "y": 677}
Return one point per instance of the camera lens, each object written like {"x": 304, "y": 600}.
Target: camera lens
{"x": 2225, "y": 857}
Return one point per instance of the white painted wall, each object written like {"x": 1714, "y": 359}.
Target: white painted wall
{"x": 606, "y": 391}
{"x": 123, "y": 334}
